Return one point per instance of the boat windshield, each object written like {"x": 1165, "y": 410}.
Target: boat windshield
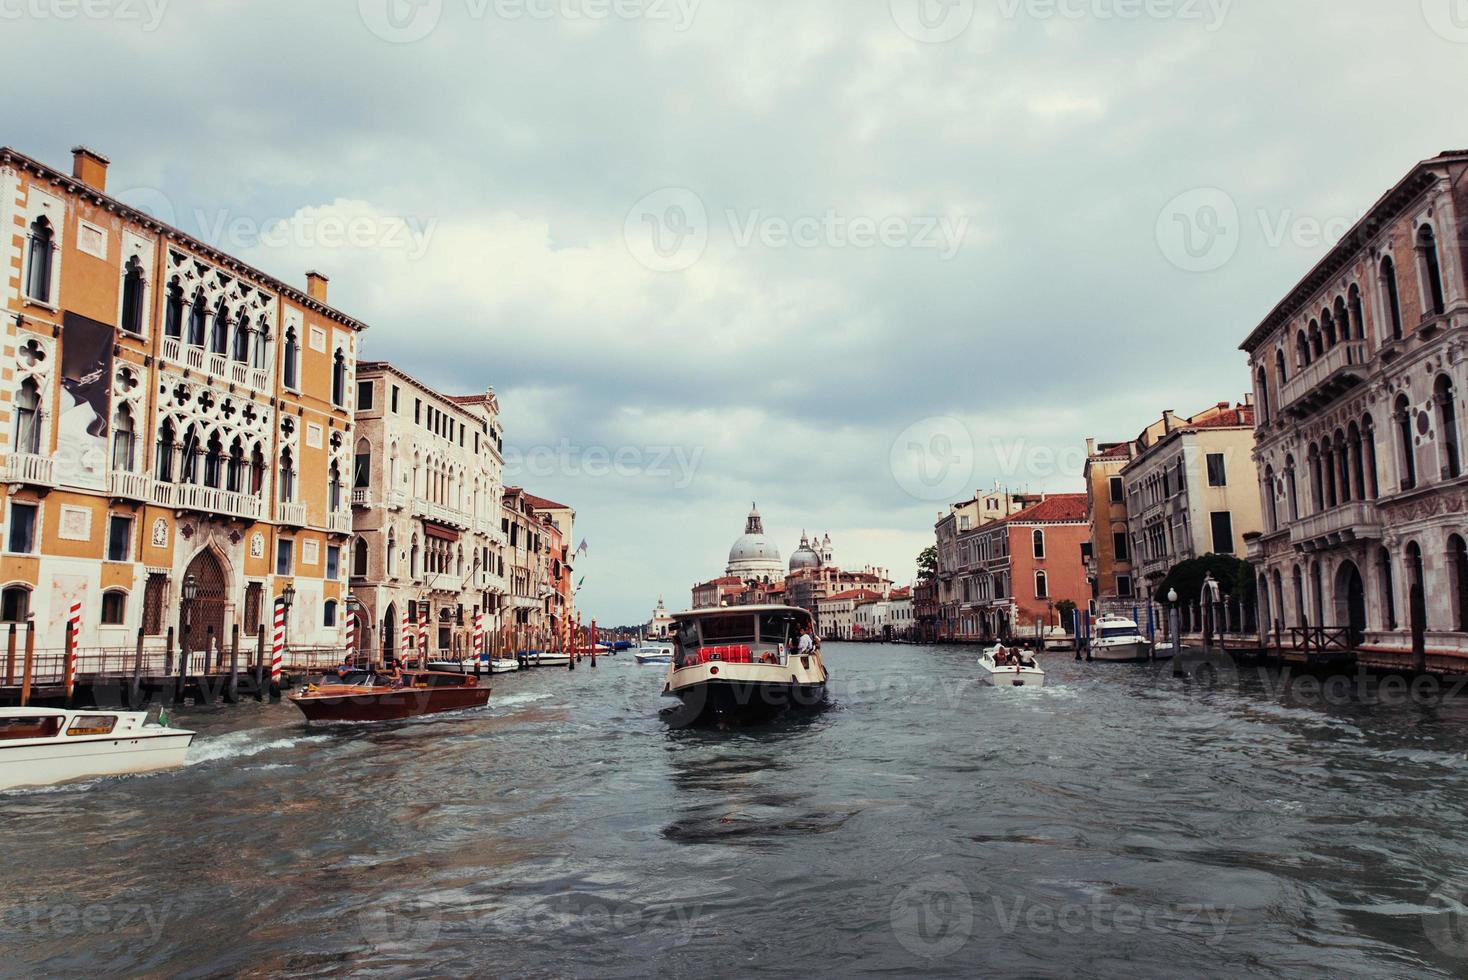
{"x": 16, "y": 728}
{"x": 776, "y": 628}
{"x": 1117, "y": 632}
{"x": 728, "y": 629}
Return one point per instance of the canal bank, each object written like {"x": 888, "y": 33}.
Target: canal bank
{"x": 1122, "y": 820}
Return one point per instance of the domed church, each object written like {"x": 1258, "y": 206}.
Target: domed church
{"x": 754, "y": 558}
{"x": 805, "y": 556}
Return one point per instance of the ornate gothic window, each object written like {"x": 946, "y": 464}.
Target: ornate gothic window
{"x": 39, "y": 259}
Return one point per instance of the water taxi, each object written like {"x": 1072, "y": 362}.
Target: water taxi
{"x": 655, "y": 653}
{"x": 1002, "y": 667}
{"x": 364, "y": 695}
{"x": 1119, "y": 640}
{"x": 732, "y": 665}
{"x": 474, "y": 665}
{"x": 44, "y": 746}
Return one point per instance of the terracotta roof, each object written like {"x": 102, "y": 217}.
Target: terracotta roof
{"x": 854, "y": 594}
{"x": 1243, "y": 415}
{"x": 543, "y": 503}
{"x": 1055, "y": 509}
{"x": 901, "y": 593}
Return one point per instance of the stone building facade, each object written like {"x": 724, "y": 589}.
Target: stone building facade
{"x": 1108, "y": 554}
{"x": 427, "y": 482}
{"x": 166, "y": 411}
{"x": 1359, "y": 374}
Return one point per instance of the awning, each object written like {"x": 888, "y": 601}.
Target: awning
{"x": 442, "y": 533}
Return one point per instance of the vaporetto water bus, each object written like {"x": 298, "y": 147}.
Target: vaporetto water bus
{"x": 742, "y": 664}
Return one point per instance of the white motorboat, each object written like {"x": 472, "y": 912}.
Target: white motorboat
{"x": 1003, "y": 667}
{"x": 1163, "y": 651}
{"x": 539, "y": 658}
{"x": 733, "y": 665}
{"x": 655, "y": 653}
{"x": 44, "y": 746}
{"x": 1119, "y": 640}
{"x": 469, "y": 666}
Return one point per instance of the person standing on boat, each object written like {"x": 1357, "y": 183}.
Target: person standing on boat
{"x": 806, "y": 643}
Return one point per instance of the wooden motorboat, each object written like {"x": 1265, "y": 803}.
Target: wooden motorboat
{"x": 44, "y": 746}
{"x": 1003, "y": 667}
{"x": 363, "y": 695}
{"x": 734, "y": 665}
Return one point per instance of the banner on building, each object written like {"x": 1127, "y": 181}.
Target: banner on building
{"x": 85, "y": 412}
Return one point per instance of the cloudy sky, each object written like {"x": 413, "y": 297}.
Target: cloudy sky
{"x": 847, "y": 258}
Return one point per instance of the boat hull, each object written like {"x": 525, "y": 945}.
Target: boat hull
{"x": 1013, "y": 676}
{"x": 726, "y": 694}
{"x": 1122, "y": 653}
{"x": 53, "y": 763}
{"x": 392, "y": 705}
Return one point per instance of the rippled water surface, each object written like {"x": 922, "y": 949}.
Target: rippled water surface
{"x": 1117, "y": 823}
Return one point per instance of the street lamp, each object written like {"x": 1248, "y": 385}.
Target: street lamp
{"x": 1173, "y": 623}
{"x": 190, "y": 593}
{"x": 287, "y": 599}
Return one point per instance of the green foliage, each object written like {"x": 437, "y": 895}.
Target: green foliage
{"x": 927, "y": 563}
{"x": 1065, "y": 609}
{"x": 1233, "y": 575}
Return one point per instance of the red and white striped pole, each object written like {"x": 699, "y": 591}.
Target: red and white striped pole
{"x": 351, "y": 635}
{"x": 423, "y": 641}
{"x": 277, "y": 650}
{"x": 479, "y": 636}
{"x": 407, "y": 636}
{"x": 73, "y": 634}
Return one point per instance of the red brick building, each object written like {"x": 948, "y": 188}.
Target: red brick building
{"x": 1021, "y": 567}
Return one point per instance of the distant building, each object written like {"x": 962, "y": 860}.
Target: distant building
{"x": 718, "y": 592}
{"x": 661, "y": 622}
{"x": 953, "y": 562}
{"x": 753, "y": 557}
{"x": 837, "y": 613}
{"x": 1108, "y": 553}
{"x": 1192, "y": 490}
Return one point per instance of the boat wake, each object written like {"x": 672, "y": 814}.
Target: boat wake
{"x": 237, "y": 745}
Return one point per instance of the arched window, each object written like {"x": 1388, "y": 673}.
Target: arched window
{"x": 219, "y": 333}
{"x": 258, "y": 355}
{"x": 39, "y": 260}
{"x": 241, "y": 350}
{"x": 114, "y": 608}
{"x": 1342, "y": 318}
{"x": 359, "y": 558}
{"x": 1388, "y": 588}
{"x": 132, "y": 296}
{"x": 1358, "y": 317}
{"x": 1261, "y": 380}
{"x": 1432, "y": 273}
{"x": 1278, "y": 614}
{"x": 257, "y": 470}
{"x": 1390, "y": 297}
{"x": 1317, "y": 484}
{"x": 328, "y": 613}
{"x": 1458, "y": 561}
{"x": 287, "y": 477}
{"x": 1368, "y": 439}
{"x": 234, "y": 476}
{"x": 1317, "y": 344}
{"x": 334, "y": 487}
{"x": 173, "y": 319}
{"x": 166, "y": 439}
{"x": 15, "y": 604}
{"x": 339, "y": 380}
{"x": 1042, "y": 586}
{"x": 28, "y": 418}
{"x": 214, "y": 462}
{"x": 362, "y": 465}
{"x": 291, "y": 355}
{"x": 1342, "y": 468}
{"x": 1406, "y": 452}
{"x": 1447, "y": 421}
{"x": 1358, "y": 462}
{"x": 1271, "y": 498}
{"x": 1327, "y": 327}
{"x": 1292, "y": 496}
{"x": 190, "y": 452}
{"x": 124, "y": 440}
{"x": 1281, "y": 374}
{"x": 392, "y": 553}
{"x": 197, "y": 315}
{"x": 1038, "y": 540}
{"x": 1302, "y": 350}
{"x": 413, "y": 558}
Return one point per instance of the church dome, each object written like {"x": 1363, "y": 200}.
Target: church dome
{"x": 805, "y": 556}
{"x": 754, "y": 556}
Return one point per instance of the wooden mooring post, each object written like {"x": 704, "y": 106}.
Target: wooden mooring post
{"x": 168, "y": 654}
{"x": 30, "y": 663}
{"x": 212, "y": 652}
{"x": 232, "y": 692}
{"x": 10, "y": 657}
{"x": 135, "y": 687}
{"x": 260, "y": 664}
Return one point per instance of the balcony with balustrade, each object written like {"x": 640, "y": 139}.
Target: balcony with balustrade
{"x": 31, "y": 470}
{"x": 291, "y": 513}
{"x": 125, "y": 485}
{"x": 215, "y": 365}
{"x": 1329, "y": 376}
{"x": 339, "y": 522}
{"x": 208, "y": 500}
{"x": 1356, "y": 521}
{"x": 362, "y": 497}
{"x": 442, "y": 514}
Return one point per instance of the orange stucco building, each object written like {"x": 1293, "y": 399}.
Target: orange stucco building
{"x": 165, "y": 410}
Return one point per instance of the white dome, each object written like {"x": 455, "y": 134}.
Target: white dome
{"x": 753, "y": 556}
{"x": 753, "y": 547}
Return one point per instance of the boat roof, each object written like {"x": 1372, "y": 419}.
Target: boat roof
{"x": 46, "y": 712}
{"x": 739, "y": 611}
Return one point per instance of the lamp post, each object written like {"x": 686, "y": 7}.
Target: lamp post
{"x": 1172, "y": 621}
{"x": 190, "y": 593}
{"x": 288, "y": 599}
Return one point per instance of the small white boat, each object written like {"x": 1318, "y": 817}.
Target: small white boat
{"x": 1119, "y": 640}
{"x": 1003, "y": 667}
{"x": 1163, "y": 651}
{"x": 44, "y": 746}
{"x": 543, "y": 659}
{"x": 655, "y": 653}
{"x": 468, "y": 666}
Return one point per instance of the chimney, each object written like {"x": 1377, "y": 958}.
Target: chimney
{"x": 1090, "y": 447}
{"x": 89, "y": 167}
{"x": 316, "y": 285}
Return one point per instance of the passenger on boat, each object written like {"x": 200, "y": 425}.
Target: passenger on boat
{"x": 806, "y": 643}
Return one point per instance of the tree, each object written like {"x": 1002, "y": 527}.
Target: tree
{"x": 927, "y": 563}
{"x": 1233, "y": 575}
{"x": 1066, "y": 610}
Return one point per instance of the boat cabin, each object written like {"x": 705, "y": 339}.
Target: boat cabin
{"x": 747, "y": 635}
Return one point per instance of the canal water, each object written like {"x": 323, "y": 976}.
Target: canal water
{"x": 1120, "y": 822}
